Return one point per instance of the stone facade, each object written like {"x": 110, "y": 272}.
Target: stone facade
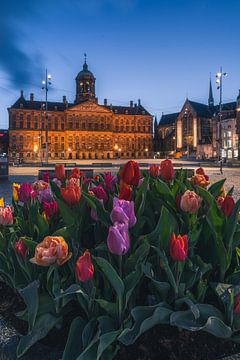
{"x": 80, "y": 130}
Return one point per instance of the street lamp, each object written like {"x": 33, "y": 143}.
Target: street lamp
{"x": 219, "y": 81}
{"x": 45, "y": 84}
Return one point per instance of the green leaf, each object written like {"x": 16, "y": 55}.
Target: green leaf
{"x": 68, "y": 214}
{"x": 165, "y": 192}
{"x": 145, "y": 317}
{"x": 105, "y": 341}
{"x": 94, "y": 203}
{"x": 137, "y": 257}
{"x": 110, "y": 308}
{"x": 141, "y": 197}
{"x": 111, "y": 275}
{"x": 231, "y": 224}
{"x": 162, "y": 288}
{"x": 30, "y": 244}
{"x": 215, "y": 189}
{"x": 31, "y": 299}
{"x": 41, "y": 328}
{"x": 131, "y": 281}
{"x": 74, "y": 345}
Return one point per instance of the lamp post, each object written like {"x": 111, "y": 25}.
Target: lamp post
{"x": 45, "y": 84}
{"x": 219, "y": 81}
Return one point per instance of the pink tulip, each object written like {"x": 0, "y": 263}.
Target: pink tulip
{"x": 51, "y": 209}
{"x": 118, "y": 239}
{"x": 21, "y": 248}
{"x": 190, "y": 202}
{"x": 6, "y": 215}
{"x": 100, "y": 193}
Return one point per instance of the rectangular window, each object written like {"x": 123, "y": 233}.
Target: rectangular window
{"x": 229, "y": 133}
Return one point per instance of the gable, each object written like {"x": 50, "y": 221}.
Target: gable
{"x": 89, "y": 106}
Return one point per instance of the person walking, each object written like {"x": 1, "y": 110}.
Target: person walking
{"x": 221, "y": 165}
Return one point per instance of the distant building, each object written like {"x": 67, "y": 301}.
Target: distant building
{"x": 3, "y": 142}
{"x": 84, "y": 129}
{"x": 197, "y": 132}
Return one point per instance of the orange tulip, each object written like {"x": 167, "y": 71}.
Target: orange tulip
{"x": 71, "y": 194}
{"x": 53, "y": 250}
{"x": 179, "y": 247}
{"x": 200, "y": 180}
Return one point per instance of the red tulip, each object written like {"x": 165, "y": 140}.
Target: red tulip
{"x": 84, "y": 267}
{"x": 60, "y": 172}
{"x": 125, "y": 192}
{"x": 237, "y": 304}
{"x": 51, "y": 209}
{"x": 71, "y": 194}
{"x": 130, "y": 173}
{"x": 21, "y": 248}
{"x": 228, "y": 205}
{"x": 154, "y": 171}
{"x": 179, "y": 247}
{"x": 167, "y": 170}
{"x": 75, "y": 173}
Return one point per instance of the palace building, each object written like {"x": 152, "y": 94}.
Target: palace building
{"x": 83, "y": 129}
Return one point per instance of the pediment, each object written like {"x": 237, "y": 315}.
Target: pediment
{"x": 89, "y": 106}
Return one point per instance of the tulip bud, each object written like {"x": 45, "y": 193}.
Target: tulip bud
{"x": 25, "y": 193}
{"x": 167, "y": 170}
{"x": 200, "y": 171}
{"x": 228, "y": 205}
{"x": 16, "y": 187}
{"x": 190, "y": 202}
{"x": 118, "y": 239}
{"x": 76, "y": 173}
{"x": 154, "y": 171}
{"x": 130, "y": 173}
{"x": 200, "y": 180}
{"x": 2, "y": 202}
{"x": 123, "y": 212}
{"x": 50, "y": 209}
{"x": 178, "y": 247}
{"x": 100, "y": 193}
{"x": 84, "y": 267}
{"x": 125, "y": 192}
{"x": 60, "y": 172}
{"x": 71, "y": 194}
{"x": 21, "y": 248}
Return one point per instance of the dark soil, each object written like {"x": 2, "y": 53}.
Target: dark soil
{"x": 169, "y": 343}
{"x": 161, "y": 342}
{"x": 10, "y": 304}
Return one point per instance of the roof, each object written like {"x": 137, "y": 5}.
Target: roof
{"x": 201, "y": 109}
{"x": 168, "y": 119}
{"x": 128, "y": 110}
{"x": 61, "y": 106}
{"x": 229, "y": 106}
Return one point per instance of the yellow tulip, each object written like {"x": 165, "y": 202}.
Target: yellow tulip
{"x": 15, "y": 191}
{"x": 2, "y": 202}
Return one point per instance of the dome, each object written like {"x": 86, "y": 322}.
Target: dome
{"x": 85, "y": 72}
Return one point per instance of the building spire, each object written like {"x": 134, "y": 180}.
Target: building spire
{"x": 85, "y": 66}
{"x": 210, "y": 97}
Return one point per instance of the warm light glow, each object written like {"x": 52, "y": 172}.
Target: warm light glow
{"x": 35, "y": 148}
{"x": 69, "y": 149}
{"x": 116, "y": 147}
{"x": 194, "y": 132}
{"x": 119, "y": 149}
{"x": 179, "y": 134}
{"x": 146, "y": 149}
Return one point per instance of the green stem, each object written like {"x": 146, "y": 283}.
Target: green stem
{"x": 120, "y": 300}
{"x": 177, "y": 278}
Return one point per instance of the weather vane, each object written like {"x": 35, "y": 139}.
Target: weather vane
{"x": 85, "y": 56}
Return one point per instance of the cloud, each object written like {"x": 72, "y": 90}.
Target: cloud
{"x": 18, "y": 64}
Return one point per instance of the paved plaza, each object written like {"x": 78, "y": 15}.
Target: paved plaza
{"x": 30, "y": 174}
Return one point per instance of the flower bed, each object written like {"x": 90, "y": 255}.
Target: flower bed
{"x": 112, "y": 257}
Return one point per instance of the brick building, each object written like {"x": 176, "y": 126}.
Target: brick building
{"x": 84, "y": 129}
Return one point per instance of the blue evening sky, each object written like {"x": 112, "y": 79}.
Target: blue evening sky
{"x": 158, "y": 51}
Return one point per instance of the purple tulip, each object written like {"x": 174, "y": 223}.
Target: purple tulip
{"x": 110, "y": 181}
{"x": 45, "y": 196}
{"x": 25, "y": 192}
{"x": 123, "y": 212}
{"x": 118, "y": 239}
